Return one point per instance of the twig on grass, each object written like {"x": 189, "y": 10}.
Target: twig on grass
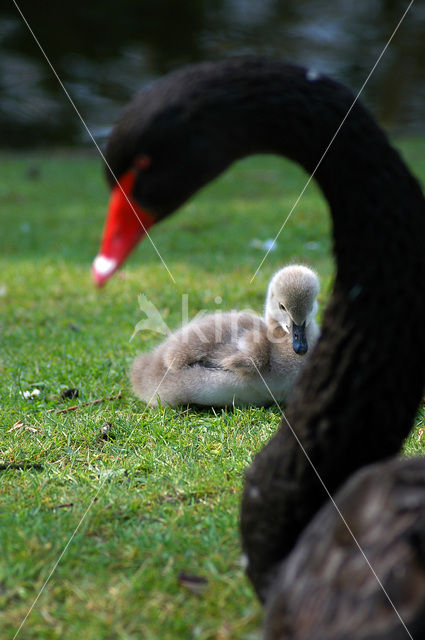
{"x": 65, "y": 505}
{"x": 86, "y": 404}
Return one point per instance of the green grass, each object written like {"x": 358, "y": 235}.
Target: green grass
{"x": 165, "y": 491}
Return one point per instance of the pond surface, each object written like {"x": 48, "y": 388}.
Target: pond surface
{"x": 106, "y": 51}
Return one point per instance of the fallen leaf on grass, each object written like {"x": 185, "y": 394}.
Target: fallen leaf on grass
{"x": 20, "y": 425}
{"x": 17, "y": 424}
{"x": 195, "y": 584}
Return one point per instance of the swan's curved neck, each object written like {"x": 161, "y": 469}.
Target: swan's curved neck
{"x": 357, "y": 397}
{"x": 356, "y": 400}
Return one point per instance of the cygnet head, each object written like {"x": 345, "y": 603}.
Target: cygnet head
{"x": 292, "y": 302}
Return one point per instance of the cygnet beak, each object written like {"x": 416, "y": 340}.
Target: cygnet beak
{"x": 299, "y": 339}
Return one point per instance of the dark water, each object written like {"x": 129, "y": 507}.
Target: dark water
{"x": 105, "y": 51}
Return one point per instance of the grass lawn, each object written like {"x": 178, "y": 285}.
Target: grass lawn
{"x": 162, "y": 495}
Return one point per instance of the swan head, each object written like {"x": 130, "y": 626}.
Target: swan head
{"x": 169, "y": 142}
{"x": 292, "y": 303}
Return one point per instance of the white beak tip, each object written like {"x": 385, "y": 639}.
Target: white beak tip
{"x": 102, "y": 269}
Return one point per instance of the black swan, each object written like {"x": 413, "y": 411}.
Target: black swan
{"x": 356, "y": 400}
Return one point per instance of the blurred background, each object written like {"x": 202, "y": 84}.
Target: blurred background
{"x": 105, "y": 51}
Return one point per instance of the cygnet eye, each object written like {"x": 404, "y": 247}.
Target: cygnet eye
{"x": 282, "y": 306}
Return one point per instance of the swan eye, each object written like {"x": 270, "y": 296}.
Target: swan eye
{"x": 282, "y": 306}
{"x": 143, "y": 162}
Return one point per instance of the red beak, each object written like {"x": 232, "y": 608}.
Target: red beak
{"x": 126, "y": 223}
